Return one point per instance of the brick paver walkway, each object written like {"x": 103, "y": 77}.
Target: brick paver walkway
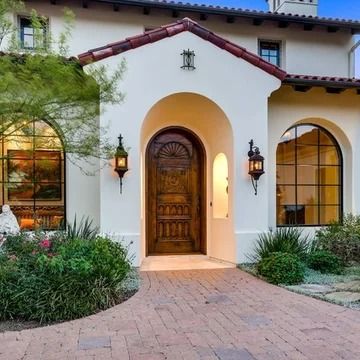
{"x": 204, "y": 314}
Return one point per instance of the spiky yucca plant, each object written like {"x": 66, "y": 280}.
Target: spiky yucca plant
{"x": 285, "y": 240}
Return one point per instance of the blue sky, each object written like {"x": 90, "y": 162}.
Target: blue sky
{"x": 342, "y": 9}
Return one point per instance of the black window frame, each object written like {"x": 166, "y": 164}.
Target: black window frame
{"x": 36, "y": 203}
{"x": 25, "y": 22}
{"x": 268, "y": 45}
{"x": 298, "y": 206}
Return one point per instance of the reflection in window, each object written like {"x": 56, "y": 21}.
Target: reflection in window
{"x": 32, "y": 176}
{"x": 309, "y": 177}
{"x": 270, "y": 51}
{"x": 220, "y": 187}
{"x": 30, "y": 38}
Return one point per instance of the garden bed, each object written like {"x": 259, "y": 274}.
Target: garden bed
{"x": 50, "y": 278}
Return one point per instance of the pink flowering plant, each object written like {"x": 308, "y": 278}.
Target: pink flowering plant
{"x": 60, "y": 276}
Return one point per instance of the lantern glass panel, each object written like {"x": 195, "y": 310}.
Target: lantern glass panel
{"x": 121, "y": 162}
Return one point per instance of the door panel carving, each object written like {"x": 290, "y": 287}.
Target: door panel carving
{"x": 175, "y": 192}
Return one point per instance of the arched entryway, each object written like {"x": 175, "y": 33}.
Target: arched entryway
{"x": 176, "y": 193}
{"x": 207, "y": 124}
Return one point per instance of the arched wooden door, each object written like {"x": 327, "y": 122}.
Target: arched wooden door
{"x": 175, "y": 193}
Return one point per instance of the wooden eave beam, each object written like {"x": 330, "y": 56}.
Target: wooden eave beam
{"x": 334, "y": 90}
{"x": 116, "y": 7}
{"x": 308, "y": 27}
{"x": 146, "y": 11}
{"x": 175, "y": 14}
{"x": 203, "y": 16}
{"x": 283, "y": 24}
{"x": 302, "y": 88}
{"x": 230, "y": 19}
{"x": 332, "y": 29}
{"x": 258, "y": 22}
{"x": 85, "y": 4}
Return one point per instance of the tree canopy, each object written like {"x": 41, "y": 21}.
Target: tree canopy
{"x": 44, "y": 83}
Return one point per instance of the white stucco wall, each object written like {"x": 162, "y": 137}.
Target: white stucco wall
{"x": 314, "y": 52}
{"x": 241, "y": 94}
{"x": 338, "y": 113}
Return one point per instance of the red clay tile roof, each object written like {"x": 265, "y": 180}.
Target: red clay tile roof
{"x": 171, "y": 30}
{"x": 325, "y": 81}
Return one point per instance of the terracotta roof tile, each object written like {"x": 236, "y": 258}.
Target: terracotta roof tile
{"x": 325, "y": 81}
{"x": 171, "y": 30}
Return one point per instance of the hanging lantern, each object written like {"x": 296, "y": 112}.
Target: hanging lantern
{"x": 121, "y": 161}
{"x": 256, "y": 164}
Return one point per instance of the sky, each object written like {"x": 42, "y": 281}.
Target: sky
{"x": 342, "y": 9}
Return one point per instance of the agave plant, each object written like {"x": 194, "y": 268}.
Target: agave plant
{"x": 285, "y": 240}
{"x": 85, "y": 229}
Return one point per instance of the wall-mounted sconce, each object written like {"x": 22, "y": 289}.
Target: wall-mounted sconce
{"x": 188, "y": 59}
{"x": 121, "y": 161}
{"x": 256, "y": 164}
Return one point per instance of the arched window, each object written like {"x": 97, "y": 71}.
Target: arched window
{"x": 32, "y": 175}
{"x": 220, "y": 187}
{"x": 309, "y": 177}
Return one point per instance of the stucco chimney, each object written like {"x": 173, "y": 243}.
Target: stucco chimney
{"x": 300, "y": 7}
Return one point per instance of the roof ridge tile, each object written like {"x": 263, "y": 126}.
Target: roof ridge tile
{"x": 175, "y": 28}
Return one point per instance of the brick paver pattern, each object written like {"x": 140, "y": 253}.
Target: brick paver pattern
{"x": 221, "y": 314}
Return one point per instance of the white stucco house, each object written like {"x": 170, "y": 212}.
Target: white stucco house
{"x": 283, "y": 78}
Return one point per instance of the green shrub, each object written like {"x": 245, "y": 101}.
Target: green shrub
{"x": 282, "y": 268}
{"x": 342, "y": 238}
{"x": 325, "y": 262}
{"x": 60, "y": 278}
{"x": 286, "y": 240}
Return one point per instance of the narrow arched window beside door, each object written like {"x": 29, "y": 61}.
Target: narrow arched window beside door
{"x": 309, "y": 177}
{"x": 32, "y": 178}
{"x": 220, "y": 187}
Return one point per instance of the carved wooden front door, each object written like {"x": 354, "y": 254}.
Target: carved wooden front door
{"x": 175, "y": 216}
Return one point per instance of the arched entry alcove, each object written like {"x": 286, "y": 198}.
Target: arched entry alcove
{"x": 205, "y": 123}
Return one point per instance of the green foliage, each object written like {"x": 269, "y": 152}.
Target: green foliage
{"x": 45, "y": 84}
{"x": 84, "y": 229}
{"x": 281, "y": 268}
{"x": 342, "y": 238}
{"x": 6, "y": 25}
{"x": 325, "y": 262}
{"x": 287, "y": 240}
{"x": 60, "y": 278}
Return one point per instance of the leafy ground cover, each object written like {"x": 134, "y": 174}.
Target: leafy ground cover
{"x": 63, "y": 276}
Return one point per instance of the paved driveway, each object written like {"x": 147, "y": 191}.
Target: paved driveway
{"x": 202, "y": 314}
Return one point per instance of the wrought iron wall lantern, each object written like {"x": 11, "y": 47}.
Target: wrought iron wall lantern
{"x": 121, "y": 161}
{"x": 188, "y": 59}
{"x": 256, "y": 164}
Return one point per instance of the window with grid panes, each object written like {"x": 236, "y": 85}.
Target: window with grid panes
{"x": 270, "y": 51}
{"x": 308, "y": 177}
{"x": 32, "y": 175}
{"x": 28, "y": 39}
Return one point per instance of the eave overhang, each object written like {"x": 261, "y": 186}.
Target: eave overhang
{"x": 230, "y": 14}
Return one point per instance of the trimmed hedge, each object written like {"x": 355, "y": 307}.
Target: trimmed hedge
{"x": 325, "y": 262}
{"x": 281, "y": 268}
